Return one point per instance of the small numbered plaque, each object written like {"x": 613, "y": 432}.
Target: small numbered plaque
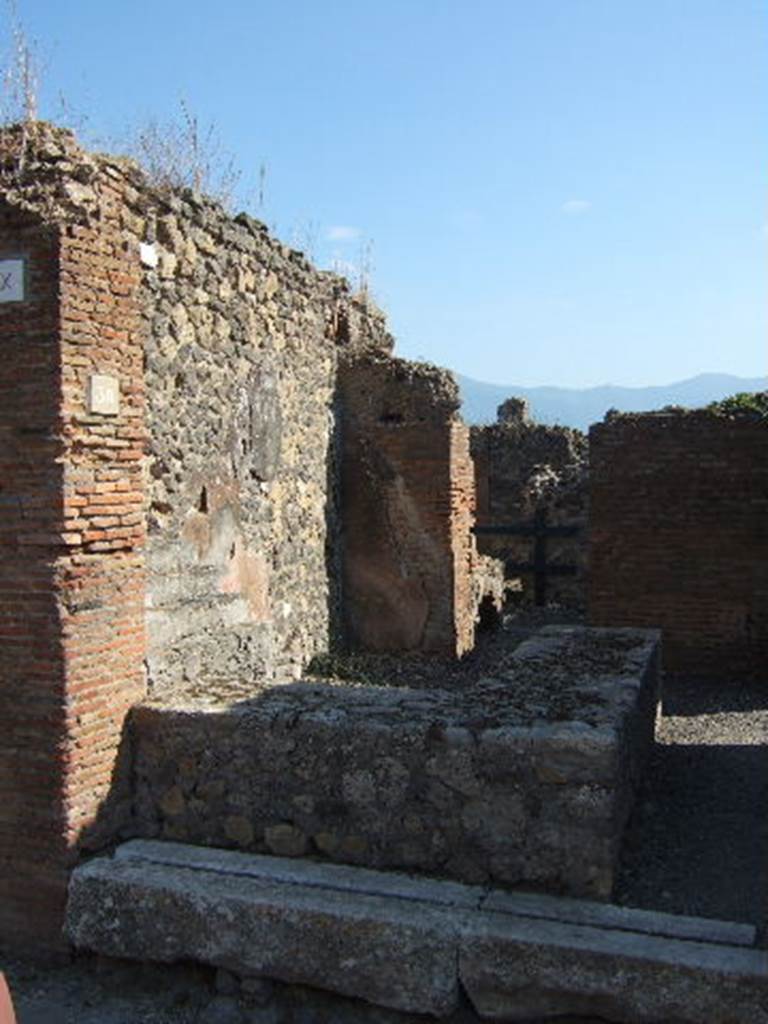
{"x": 12, "y": 280}
{"x": 103, "y": 395}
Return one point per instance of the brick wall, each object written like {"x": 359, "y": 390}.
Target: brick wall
{"x": 679, "y": 536}
{"x": 71, "y": 538}
{"x": 31, "y": 664}
{"x": 407, "y": 505}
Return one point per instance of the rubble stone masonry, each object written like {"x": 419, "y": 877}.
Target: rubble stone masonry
{"x": 522, "y": 778}
{"x": 242, "y": 342}
{"x": 168, "y": 481}
{"x": 679, "y": 536}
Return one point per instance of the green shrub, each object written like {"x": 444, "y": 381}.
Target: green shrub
{"x": 752, "y": 405}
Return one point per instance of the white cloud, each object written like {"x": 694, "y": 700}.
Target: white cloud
{"x": 342, "y": 233}
{"x": 574, "y": 207}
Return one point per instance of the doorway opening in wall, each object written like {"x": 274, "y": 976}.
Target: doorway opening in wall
{"x": 539, "y": 568}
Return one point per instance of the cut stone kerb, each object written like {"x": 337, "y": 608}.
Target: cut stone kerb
{"x": 488, "y": 783}
{"x": 413, "y": 944}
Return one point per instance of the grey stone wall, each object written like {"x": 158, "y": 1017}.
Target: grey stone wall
{"x": 524, "y": 778}
{"x": 242, "y": 343}
{"x": 249, "y": 354}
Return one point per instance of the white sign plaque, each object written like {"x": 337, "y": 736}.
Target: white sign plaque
{"x": 12, "y": 280}
{"x": 148, "y": 254}
{"x": 103, "y": 394}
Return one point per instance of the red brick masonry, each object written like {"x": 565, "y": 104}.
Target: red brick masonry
{"x": 71, "y": 563}
{"x": 679, "y": 536}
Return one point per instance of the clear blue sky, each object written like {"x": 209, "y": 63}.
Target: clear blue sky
{"x": 564, "y": 192}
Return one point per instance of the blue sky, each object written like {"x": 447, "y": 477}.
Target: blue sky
{"x": 566, "y": 192}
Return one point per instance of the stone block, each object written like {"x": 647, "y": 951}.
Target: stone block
{"x": 407, "y": 943}
{"x": 518, "y": 969}
{"x": 395, "y": 953}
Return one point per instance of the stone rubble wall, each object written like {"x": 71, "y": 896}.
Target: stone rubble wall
{"x": 678, "y": 535}
{"x": 437, "y": 781}
{"x": 522, "y": 467}
{"x": 191, "y": 534}
{"x": 241, "y": 337}
{"x": 242, "y": 342}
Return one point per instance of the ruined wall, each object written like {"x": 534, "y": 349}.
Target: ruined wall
{"x": 407, "y": 508}
{"x": 522, "y": 467}
{"x": 232, "y": 464}
{"x": 241, "y": 363}
{"x": 172, "y": 486}
{"x": 71, "y": 536}
{"x": 679, "y": 535}
{"x": 240, "y": 336}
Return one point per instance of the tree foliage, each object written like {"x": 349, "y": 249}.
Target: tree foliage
{"x": 744, "y": 405}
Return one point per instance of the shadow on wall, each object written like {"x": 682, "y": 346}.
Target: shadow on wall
{"x": 34, "y": 855}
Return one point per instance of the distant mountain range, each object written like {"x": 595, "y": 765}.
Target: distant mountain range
{"x": 573, "y": 407}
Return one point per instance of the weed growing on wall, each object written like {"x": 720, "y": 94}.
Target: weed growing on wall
{"x": 176, "y": 152}
{"x": 358, "y": 271}
{"x": 19, "y": 89}
{"x": 183, "y": 153}
{"x": 19, "y": 95}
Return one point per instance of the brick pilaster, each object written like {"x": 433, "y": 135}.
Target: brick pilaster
{"x": 71, "y": 557}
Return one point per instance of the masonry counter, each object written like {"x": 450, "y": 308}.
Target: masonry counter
{"x": 525, "y": 778}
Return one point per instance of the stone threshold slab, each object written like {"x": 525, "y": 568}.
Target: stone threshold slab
{"x": 437, "y": 891}
{"x": 293, "y": 871}
{"x": 412, "y": 944}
